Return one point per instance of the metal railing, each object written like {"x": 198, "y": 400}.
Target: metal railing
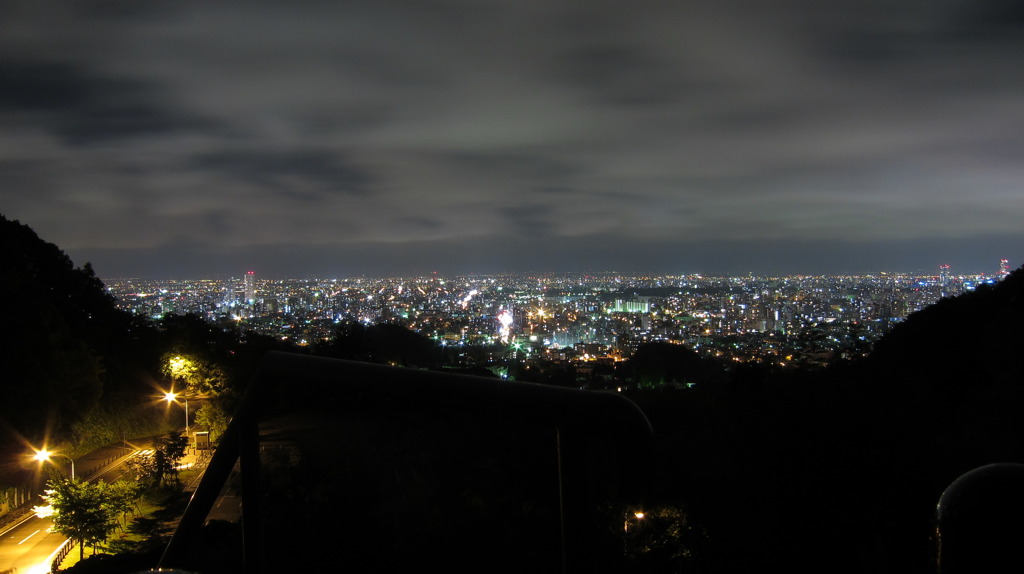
{"x": 575, "y": 415}
{"x": 61, "y": 554}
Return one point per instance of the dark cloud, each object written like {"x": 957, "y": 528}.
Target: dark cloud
{"x": 306, "y": 175}
{"x": 35, "y": 86}
{"x": 497, "y": 135}
{"x": 526, "y": 167}
{"x": 619, "y": 75}
{"x": 420, "y": 222}
{"x": 528, "y": 221}
{"x": 987, "y": 20}
{"x": 555, "y": 191}
{"x": 85, "y": 108}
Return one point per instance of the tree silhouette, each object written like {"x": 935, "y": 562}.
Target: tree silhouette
{"x": 56, "y": 332}
{"x": 121, "y": 498}
{"x": 143, "y": 469}
{"x": 381, "y": 343}
{"x": 214, "y": 417}
{"x": 170, "y": 451}
{"x": 81, "y": 511}
{"x": 659, "y": 364}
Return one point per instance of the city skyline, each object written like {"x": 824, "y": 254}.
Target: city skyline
{"x": 781, "y": 321}
{"x": 402, "y": 138}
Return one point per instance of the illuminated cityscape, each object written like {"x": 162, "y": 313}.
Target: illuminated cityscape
{"x": 574, "y": 287}
{"x": 780, "y": 321}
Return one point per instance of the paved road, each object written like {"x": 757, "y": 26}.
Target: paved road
{"x": 29, "y": 546}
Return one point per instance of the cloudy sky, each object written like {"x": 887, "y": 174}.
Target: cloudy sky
{"x": 186, "y": 139}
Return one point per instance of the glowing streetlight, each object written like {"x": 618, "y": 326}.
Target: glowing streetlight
{"x": 171, "y": 398}
{"x": 44, "y": 456}
{"x": 179, "y": 367}
{"x": 638, "y": 515}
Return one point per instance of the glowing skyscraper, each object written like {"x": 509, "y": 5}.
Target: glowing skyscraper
{"x": 249, "y": 287}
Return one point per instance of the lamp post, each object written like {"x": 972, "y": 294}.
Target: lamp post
{"x": 44, "y": 455}
{"x": 170, "y": 397}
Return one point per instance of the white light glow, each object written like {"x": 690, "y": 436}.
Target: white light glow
{"x": 505, "y": 322}
{"x": 43, "y": 511}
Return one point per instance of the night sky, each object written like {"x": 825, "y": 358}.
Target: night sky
{"x": 189, "y": 139}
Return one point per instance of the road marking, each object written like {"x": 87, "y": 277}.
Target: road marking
{"x": 29, "y": 536}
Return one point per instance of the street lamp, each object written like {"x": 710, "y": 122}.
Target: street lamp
{"x": 638, "y": 515}
{"x": 170, "y": 397}
{"x": 44, "y": 455}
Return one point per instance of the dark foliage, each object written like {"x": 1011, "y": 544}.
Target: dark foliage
{"x": 80, "y": 371}
{"x": 840, "y": 469}
{"x": 126, "y": 563}
{"x": 381, "y": 343}
{"x": 66, "y": 343}
{"x": 660, "y": 364}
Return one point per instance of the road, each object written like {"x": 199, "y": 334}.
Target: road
{"x": 28, "y": 547}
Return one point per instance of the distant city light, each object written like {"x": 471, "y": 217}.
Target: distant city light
{"x": 505, "y": 321}
{"x": 785, "y": 321}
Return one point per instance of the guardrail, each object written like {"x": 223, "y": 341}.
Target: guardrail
{"x": 573, "y": 413}
{"x": 60, "y": 555}
{"x": 96, "y": 469}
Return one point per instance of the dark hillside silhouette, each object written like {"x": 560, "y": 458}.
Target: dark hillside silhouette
{"x": 970, "y": 342}
{"x": 381, "y": 343}
{"x": 840, "y": 470}
{"x": 58, "y": 326}
{"x": 955, "y": 371}
{"x": 79, "y": 370}
{"x": 659, "y": 364}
